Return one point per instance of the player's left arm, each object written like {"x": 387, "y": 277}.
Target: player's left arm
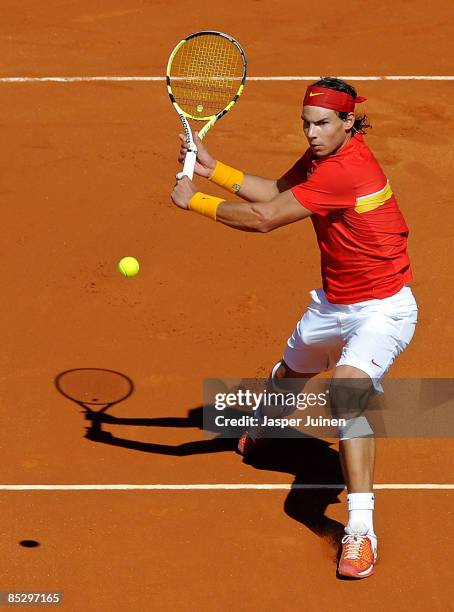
{"x": 263, "y": 217}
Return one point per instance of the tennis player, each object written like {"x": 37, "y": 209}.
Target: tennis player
{"x": 365, "y": 314}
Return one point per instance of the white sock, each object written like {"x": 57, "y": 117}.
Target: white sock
{"x": 361, "y": 509}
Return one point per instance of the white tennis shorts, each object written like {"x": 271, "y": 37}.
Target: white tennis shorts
{"x": 366, "y": 335}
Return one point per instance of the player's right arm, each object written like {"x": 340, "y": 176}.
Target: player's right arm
{"x": 253, "y": 188}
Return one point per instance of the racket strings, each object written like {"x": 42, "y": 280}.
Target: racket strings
{"x": 206, "y": 74}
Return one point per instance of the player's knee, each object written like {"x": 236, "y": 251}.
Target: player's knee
{"x": 278, "y": 376}
{"x": 283, "y": 378}
{"x": 357, "y": 427}
{"x": 279, "y": 370}
{"x": 349, "y": 397}
{"x": 279, "y": 387}
{"x": 282, "y": 370}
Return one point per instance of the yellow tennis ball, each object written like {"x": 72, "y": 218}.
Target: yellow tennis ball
{"x": 128, "y": 266}
{"x": 199, "y": 108}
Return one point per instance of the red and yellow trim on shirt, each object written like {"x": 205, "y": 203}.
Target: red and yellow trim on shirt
{"x": 372, "y": 201}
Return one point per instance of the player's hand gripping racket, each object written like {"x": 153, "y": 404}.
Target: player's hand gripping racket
{"x": 206, "y": 73}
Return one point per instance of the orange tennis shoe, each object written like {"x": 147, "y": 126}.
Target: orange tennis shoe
{"x": 247, "y": 445}
{"x": 359, "y": 552}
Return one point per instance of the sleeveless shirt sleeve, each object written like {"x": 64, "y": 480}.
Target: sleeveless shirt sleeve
{"x": 329, "y": 188}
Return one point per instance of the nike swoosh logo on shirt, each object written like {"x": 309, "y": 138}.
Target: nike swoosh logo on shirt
{"x": 313, "y": 93}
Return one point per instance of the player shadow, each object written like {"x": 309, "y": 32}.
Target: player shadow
{"x": 310, "y": 460}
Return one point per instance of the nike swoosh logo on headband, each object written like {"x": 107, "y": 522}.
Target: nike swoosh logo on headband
{"x": 313, "y": 93}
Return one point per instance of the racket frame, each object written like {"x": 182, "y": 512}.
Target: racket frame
{"x": 191, "y": 155}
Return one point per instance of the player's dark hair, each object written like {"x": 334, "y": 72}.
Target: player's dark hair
{"x": 361, "y": 124}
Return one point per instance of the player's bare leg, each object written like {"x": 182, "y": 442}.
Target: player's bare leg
{"x": 357, "y": 455}
{"x": 251, "y": 441}
{"x": 357, "y": 459}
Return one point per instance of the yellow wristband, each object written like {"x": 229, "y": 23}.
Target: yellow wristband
{"x": 204, "y": 204}
{"x": 227, "y": 177}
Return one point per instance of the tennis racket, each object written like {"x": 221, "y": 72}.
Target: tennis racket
{"x": 206, "y": 73}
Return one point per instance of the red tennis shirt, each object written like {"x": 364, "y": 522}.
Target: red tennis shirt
{"x": 360, "y": 229}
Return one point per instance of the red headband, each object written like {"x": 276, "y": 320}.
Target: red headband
{"x": 331, "y": 98}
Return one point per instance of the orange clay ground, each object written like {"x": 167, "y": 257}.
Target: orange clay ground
{"x": 86, "y": 172}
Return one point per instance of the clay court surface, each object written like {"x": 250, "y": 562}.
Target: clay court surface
{"x": 86, "y": 172}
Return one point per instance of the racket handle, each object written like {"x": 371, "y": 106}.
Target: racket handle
{"x": 189, "y": 164}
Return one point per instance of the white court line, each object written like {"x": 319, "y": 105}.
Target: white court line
{"x": 212, "y": 487}
{"x": 113, "y": 78}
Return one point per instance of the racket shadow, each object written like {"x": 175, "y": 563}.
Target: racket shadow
{"x": 194, "y": 419}
{"x": 95, "y": 390}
